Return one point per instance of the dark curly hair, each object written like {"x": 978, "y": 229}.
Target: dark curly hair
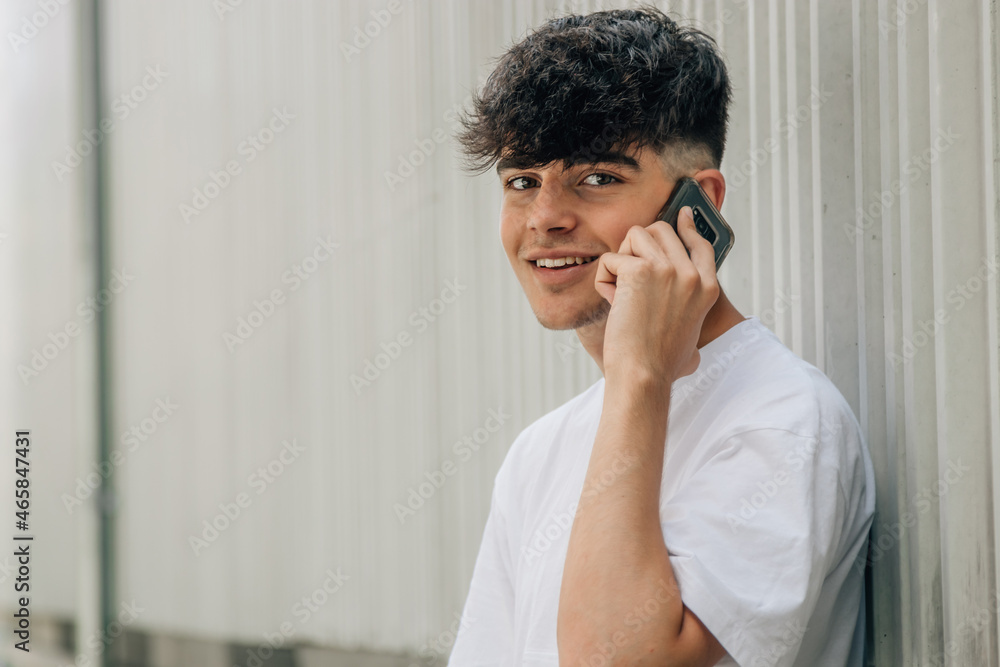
{"x": 582, "y": 86}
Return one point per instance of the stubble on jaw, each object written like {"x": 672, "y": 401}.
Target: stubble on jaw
{"x": 593, "y": 315}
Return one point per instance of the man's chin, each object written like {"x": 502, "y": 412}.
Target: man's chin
{"x": 575, "y": 320}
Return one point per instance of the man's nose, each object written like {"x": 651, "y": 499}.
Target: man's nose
{"x": 550, "y": 211}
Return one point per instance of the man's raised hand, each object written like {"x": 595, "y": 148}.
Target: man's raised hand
{"x": 659, "y": 298}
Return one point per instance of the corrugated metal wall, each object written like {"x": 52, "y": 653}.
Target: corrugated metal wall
{"x": 329, "y": 233}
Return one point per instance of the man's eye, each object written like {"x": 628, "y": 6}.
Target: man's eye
{"x": 601, "y": 176}
{"x": 511, "y": 183}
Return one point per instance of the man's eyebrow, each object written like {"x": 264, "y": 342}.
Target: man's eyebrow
{"x": 611, "y": 157}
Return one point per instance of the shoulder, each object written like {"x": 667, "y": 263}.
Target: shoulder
{"x": 753, "y": 392}
{"x": 754, "y": 381}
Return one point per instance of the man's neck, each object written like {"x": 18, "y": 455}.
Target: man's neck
{"x": 722, "y": 317}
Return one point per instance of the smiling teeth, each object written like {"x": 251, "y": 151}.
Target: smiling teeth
{"x": 563, "y": 261}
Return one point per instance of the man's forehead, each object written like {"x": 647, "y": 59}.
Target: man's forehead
{"x": 627, "y": 159}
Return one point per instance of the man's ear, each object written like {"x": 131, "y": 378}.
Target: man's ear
{"x": 714, "y": 185}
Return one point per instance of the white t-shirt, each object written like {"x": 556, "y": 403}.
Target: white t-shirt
{"x": 766, "y": 501}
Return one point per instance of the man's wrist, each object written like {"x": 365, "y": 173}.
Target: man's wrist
{"x": 638, "y": 382}
{"x": 639, "y": 389}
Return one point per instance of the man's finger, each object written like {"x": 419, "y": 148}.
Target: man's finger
{"x": 671, "y": 243}
{"x": 639, "y": 242}
{"x": 701, "y": 251}
{"x": 610, "y": 265}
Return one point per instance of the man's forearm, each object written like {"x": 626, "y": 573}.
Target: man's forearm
{"x": 617, "y": 567}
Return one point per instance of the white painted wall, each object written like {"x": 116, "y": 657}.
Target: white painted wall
{"x": 836, "y": 102}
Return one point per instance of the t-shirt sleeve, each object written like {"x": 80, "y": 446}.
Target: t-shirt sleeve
{"x": 751, "y": 534}
{"x": 486, "y": 629}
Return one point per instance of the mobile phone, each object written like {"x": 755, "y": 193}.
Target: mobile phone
{"x": 707, "y": 219}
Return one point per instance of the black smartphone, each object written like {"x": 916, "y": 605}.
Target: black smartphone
{"x": 707, "y": 219}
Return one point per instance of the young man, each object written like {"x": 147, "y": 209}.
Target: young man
{"x": 708, "y": 500}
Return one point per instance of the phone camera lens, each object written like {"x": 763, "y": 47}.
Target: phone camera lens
{"x": 703, "y": 227}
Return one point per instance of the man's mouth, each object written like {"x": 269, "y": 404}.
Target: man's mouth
{"x": 562, "y": 262}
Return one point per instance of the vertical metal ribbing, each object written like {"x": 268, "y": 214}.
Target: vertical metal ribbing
{"x": 98, "y": 218}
